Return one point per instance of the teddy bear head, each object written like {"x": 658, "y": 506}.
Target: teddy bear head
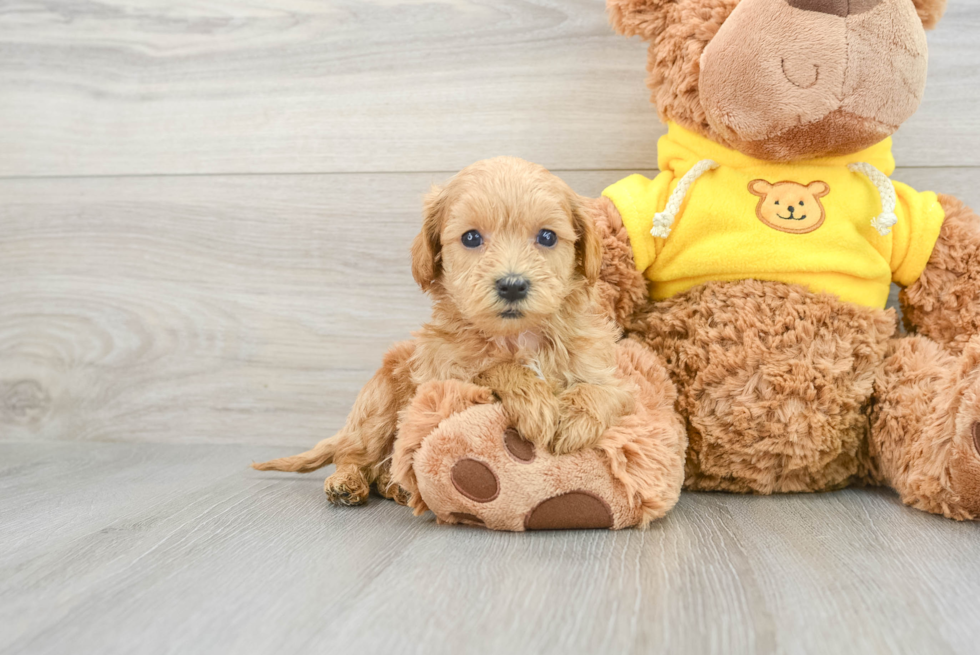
{"x": 784, "y": 80}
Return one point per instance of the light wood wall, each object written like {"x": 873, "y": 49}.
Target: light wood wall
{"x": 205, "y": 207}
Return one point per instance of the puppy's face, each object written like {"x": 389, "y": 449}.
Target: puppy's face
{"x": 513, "y": 243}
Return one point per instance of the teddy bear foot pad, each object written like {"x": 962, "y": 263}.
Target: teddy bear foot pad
{"x": 501, "y": 481}
{"x": 577, "y": 509}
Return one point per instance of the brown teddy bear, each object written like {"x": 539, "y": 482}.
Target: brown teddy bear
{"x": 757, "y": 265}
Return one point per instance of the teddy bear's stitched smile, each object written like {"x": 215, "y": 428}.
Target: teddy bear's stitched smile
{"x": 791, "y": 217}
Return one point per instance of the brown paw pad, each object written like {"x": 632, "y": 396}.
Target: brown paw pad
{"x": 518, "y": 447}
{"x": 475, "y": 480}
{"x": 976, "y": 436}
{"x": 575, "y": 510}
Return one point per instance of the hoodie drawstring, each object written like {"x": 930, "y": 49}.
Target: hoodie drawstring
{"x": 663, "y": 220}
{"x": 884, "y": 221}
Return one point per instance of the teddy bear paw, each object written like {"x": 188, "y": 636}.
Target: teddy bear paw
{"x": 963, "y": 455}
{"x": 476, "y": 469}
{"x": 964, "y": 478}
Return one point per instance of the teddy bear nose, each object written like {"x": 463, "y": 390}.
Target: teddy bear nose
{"x": 513, "y": 288}
{"x": 791, "y": 209}
{"x": 842, "y": 8}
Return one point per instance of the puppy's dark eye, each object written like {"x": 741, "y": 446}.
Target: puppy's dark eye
{"x": 777, "y": 202}
{"x": 472, "y": 239}
{"x": 547, "y": 238}
{"x": 801, "y": 203}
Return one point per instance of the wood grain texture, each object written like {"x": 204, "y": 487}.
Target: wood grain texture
{"x": 122, "y": 548}
{"x": 109, "y": 87}
{"x": 204, "y": 229}
{"x": 215, "y": 309}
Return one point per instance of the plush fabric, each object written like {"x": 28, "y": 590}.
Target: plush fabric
{"x": 775, "y": 78}
{"x": 944, "y": 303}
{"x": 929, "y": 11}
{"x": 773, "y": 381}
{"x": 458, "y": 456}
{"x": 884, "y": 53}
{"x": 924, "y": 426}
{"x": 735, "y": 209}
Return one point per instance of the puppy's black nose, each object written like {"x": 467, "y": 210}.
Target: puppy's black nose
{"x": 791, "y": 209}
{"x": 513, "y": 288}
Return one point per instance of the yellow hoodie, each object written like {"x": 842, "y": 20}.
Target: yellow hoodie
{"x": 834, "y": 224}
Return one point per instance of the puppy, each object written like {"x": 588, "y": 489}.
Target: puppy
{"x": 510, "y": 258}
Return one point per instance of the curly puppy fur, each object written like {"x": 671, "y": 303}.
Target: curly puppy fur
{"x": 557, "y": 329}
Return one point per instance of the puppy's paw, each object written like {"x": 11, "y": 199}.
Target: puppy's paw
{"x": 586, "y": 411}
{"x": 577, "y": 429}
{"x": 534, "y": 421}
{"x": 388, "y": 488}
{"x": 347, "y": 486}
{"x": 529, "y": 401}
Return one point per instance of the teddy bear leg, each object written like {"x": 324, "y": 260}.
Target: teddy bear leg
{"x": 459, "y": 455}
{"x": 925, "y": 426}
{"x": 476, "y": 469}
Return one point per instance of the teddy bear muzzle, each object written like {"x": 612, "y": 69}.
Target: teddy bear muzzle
{"x": 786, "y": 80}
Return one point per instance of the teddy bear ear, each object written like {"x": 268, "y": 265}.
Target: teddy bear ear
{"x": 759, "y": 188}
{"x": 818, "y": 189}
{"x": 930, "y": 11}
{"x": 644, "y": 18}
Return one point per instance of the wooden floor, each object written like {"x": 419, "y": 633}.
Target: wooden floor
{"x": 205, "y": 212}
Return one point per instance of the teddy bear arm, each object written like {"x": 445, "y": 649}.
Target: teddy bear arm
{"x": 929, "y": 11}
{"x": 621, "y": 288}
{"x": 944, "y": 303}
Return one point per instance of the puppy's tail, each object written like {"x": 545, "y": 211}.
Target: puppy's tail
{"x": 319, "y": 456}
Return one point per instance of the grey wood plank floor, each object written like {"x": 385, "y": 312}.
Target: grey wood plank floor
{"x": 163, "y": 548}
{"x": 205, "y": 211}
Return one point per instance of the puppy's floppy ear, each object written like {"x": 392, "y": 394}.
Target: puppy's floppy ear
{"x": 427, "y": 246}
{"x": 588, "y": 247}
{"x": 643, "y": 18}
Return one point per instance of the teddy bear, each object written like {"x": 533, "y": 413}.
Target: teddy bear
{"x": 755, "y": 269}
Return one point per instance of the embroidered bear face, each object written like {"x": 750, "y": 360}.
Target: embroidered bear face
{"x": 789, "y": 206}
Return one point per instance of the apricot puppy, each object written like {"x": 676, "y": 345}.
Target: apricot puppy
{"x": 510, "y": 257}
